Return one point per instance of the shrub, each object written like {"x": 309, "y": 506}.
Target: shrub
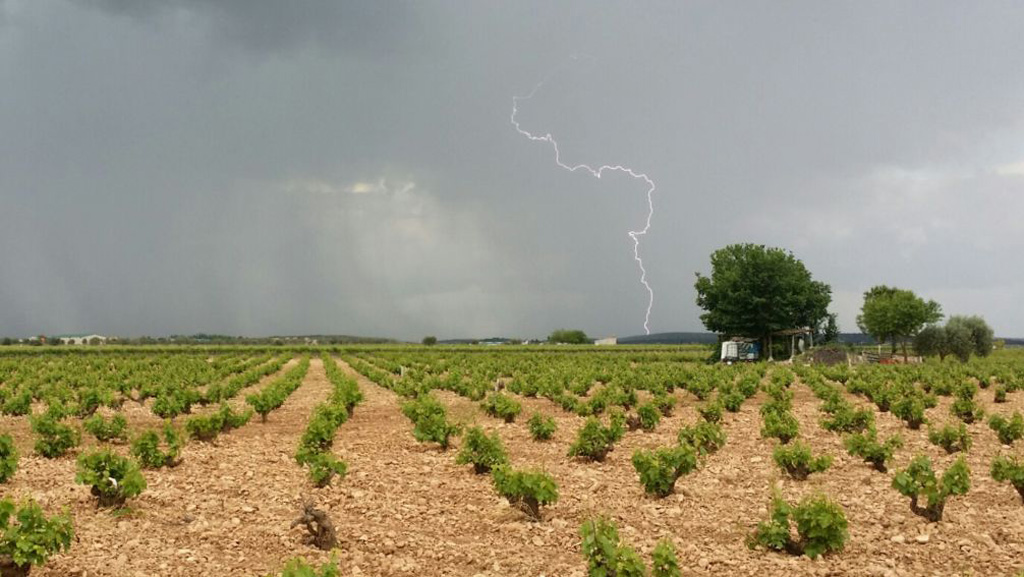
{"x": 1009, "y": 470}
{"x": 711, "y": 411}
{"x": 482, "y": 451}
{"x": 541, "y": 428}
{"x": 28, "y": 538}
{"x": 796, "y": 460}
{"x": 964, "y": 406}
{"x": 18, "y": 404}
{"x": 55, "y": 438}
{"x": 113, "y": 478}
{"x": 593, "y": 441}
{"x": 600, "y": 545}
{"x": 846, "y": 419}
{"x": 951, "y": 438}
{"x": 1000, "y": 393}
{"x": 502, "y": 406}
{"x": 705, "y": 438}
{"x": 607, "y": 557}
{"x": 206, "y": 428}
{"x": 323, "y": 467}
{"x": 780, "y": 424}
{"x": 146, "y": 448}
{"x": 616, "y": 425}
{"x": 525, "y": 490}
{"x": 430, "y": 421}
{"x": 660, "y": 469}
{"x": 918, "y": 480}
{"x": 910, "y": 408}
{"x": 664, "y": 562}
{"x": 649, "y": 416}
{"x": 866, "y": 446}
{"x": 664, "y": 403}
{"x": 8, "y": 458}
{"x": 820, "y": 523}
{"x": 298, "y": 568}
{"x": 105, "y": 431}
{"x": 1008, "y": 430}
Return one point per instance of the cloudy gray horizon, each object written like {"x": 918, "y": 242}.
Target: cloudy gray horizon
{"x": 258, "y": 167}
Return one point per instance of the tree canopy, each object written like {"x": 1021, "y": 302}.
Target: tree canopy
{"x": 894, "y": 315}
{"x": 754, "y": 291}
{"x": 961, "y": 337}
{"x": 569, "y": 336}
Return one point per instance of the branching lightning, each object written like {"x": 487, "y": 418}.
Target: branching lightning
{"x": 597, "y": 173}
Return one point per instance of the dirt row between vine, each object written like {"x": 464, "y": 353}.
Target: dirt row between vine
{"x": 405, "y": 508}
{"x": 225, "y": 510}
{"x": 409, "y": 509}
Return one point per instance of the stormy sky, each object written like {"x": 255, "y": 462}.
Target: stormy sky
{"x": 262, "y": 167}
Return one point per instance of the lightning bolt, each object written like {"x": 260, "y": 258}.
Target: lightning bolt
{"x": 597, "y": 173}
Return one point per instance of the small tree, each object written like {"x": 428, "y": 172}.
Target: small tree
{"x": 569, "y": 337}
{"x": 981, "y": 336}
{"x": 894, "y": 315}
{"x": 430, "y": 340}
{"x": 918, "y": 480}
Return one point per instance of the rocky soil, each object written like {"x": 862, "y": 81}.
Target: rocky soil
{"x": 406, "y": 509}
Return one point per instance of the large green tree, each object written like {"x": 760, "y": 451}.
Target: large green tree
{"x": 569, "y": 336}
{"x": 754, "y": 291}
{"x": 895, "y": 315}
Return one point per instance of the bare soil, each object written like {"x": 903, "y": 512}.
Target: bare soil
{"x": 405, "y": 508}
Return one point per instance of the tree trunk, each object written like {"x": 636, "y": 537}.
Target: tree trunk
{"x": 904, "y": 351}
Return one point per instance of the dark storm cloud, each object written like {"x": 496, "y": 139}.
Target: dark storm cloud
{"x": 371, "y": 28}
{"x": 271, "y": 167}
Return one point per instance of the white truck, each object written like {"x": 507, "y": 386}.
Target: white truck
{"x": 738, "y": 351}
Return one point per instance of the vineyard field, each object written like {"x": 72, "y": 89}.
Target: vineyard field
{"x": 376, "y": 418}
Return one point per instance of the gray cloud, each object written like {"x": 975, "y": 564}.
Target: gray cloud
{"x": 265, "y": 167}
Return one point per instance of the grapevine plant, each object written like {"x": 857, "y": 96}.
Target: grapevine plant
{"x": 146, "y": 448}
{"x": 525, "y": 490}
{"x": 821, "y": 527}
{"x": 867, "y": 446}
{"x": 482, "y": 451}
{"x": 606, "y": 556}
{"x": 1008, "y": 430}
{"x": 541, "y": 428}
{"x": 1007, "y": 470}
{"x": 113, "y": 479}
{"x": 29, "y": 538}
{"x": 796, "y": 460}
{"x": 8, "y": 458}
{"x": 660, "y": 469}
{"x": 919, "y": 480}
{"x": 951, "y": 438}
